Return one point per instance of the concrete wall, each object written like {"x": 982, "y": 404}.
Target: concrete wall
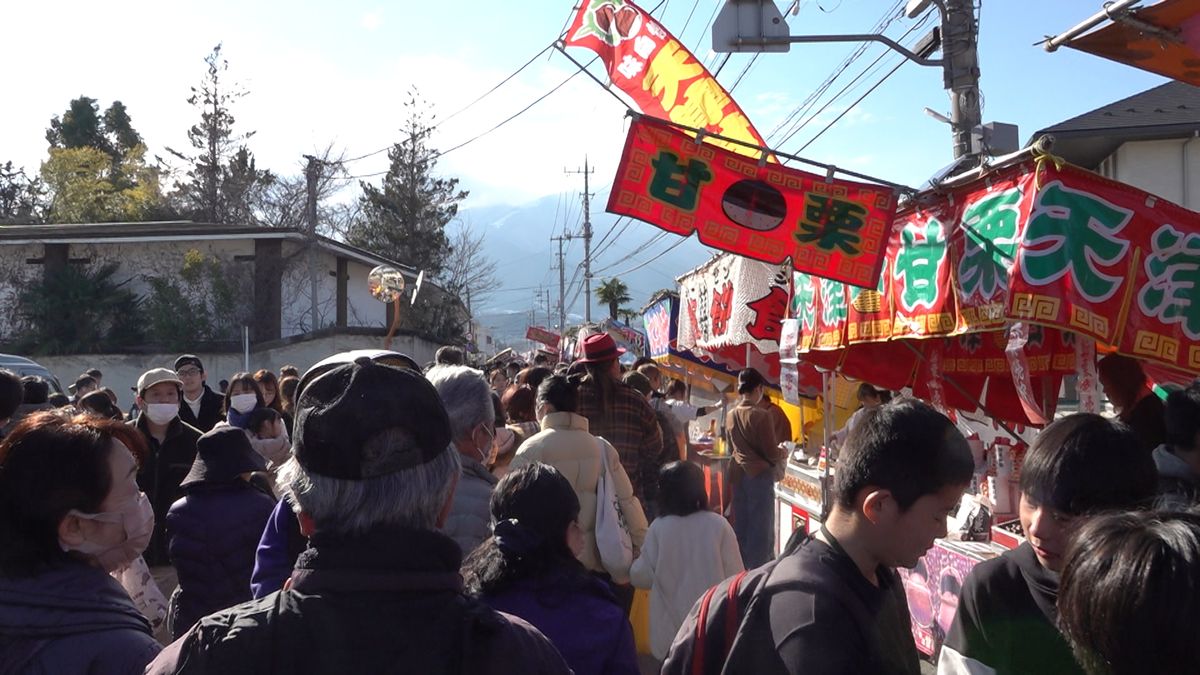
{"x": 1167, "y": 168}
{"x": 362, "y": 309}
{"x": 121, "y": 371}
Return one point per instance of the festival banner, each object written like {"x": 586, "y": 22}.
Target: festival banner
{"x": 626, "y": 336}
{"x": 542, "y": 335}
{"x": 658, "y": 73}
{"x": 836, "y": 229}
{"x": 731, "y": 302}
{"x": 922, "y": 297}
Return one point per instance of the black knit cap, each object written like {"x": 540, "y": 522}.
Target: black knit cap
{"x": 341, "y": 409}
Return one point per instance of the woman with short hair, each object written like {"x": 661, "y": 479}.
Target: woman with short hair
{"x": 70, "y": 514}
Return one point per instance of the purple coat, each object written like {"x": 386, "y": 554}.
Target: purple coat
{"x": 583, "y": 621}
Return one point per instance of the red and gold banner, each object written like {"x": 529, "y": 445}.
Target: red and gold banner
{"x": 542, "y": 335}
{"x": 834, "y": 228}
{"x": 658, "y": 72}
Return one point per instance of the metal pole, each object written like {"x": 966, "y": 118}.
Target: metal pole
{"x": 1110, "y": 10}
{"x": 562, "y": 282}
{"x": 960, "y": 47}
{"x": 587, "y": 246}
{"x": 311, "y": 173}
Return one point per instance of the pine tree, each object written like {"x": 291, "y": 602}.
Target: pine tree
{"x": 405, "y": 218}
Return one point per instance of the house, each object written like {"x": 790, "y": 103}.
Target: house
{"x": 251, "y": 288}
{"x": 1149, "y": 140}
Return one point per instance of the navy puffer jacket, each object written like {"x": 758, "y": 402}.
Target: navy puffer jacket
{"x": 213, "y": 533}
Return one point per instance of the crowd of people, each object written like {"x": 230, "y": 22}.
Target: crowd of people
{"x": 374, "y": 515}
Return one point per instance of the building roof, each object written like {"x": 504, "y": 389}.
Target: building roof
{"x": 175, "y": 230}
{"x": 1170, "y": 110}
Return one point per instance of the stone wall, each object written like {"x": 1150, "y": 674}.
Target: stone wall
{"x": 121, "y": 371}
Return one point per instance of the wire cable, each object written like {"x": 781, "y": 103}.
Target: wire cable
{"x": 851, "y": 107}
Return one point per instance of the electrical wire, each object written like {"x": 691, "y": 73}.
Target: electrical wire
{"x": 665, "y": 251}
{"x": 851, "y": 107}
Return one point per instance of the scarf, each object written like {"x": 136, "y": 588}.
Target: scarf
{"x": 239, "y": 420}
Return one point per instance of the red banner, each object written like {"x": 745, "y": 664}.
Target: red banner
{"x": 833, "y": 228}
{"x": 658, "y": 72}
{"x": 542, "y": 335}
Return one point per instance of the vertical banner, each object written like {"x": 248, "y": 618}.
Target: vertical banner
{"x": 658, "y": 72}
{"x": 1087, "y": 380}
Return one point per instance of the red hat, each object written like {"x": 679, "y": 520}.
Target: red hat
{"x": 600, "y": 347}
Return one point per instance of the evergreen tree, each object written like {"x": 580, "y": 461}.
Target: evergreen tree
{"x": 223, "y": 182}
{"x": 405, "y": 219}
{"x": 22, "y": 199}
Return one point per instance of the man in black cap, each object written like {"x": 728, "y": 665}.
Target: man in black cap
{"x": 199, "y": 406}
{"x": 378, "y": 589}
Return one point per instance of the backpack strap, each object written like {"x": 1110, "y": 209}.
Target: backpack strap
{"x": 732, "y": 611}
{"x": 702, "y": 632}
{"x": 732, "y": 621}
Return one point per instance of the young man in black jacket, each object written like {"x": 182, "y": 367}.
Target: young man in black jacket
{"x": 1178, "y": 460}
{"x": 834, "y": 605}
{"x": 1007, "y": 617}
{"x": 199, "y": 405}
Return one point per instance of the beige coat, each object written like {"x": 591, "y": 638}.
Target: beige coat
{"x": 565, "y": 444}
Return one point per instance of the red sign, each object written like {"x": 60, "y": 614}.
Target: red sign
{"x": 658, "y": 73}
{"x": 542, "y": 335}
{"x": 832, "y": 228}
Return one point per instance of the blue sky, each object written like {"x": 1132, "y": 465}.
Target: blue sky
{"x": 324, "y": 72}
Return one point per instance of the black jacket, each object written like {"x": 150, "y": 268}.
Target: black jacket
{"x": 159, "y": 476}
{"x": 210, "y": 411}
{"x": 811, "y": 611}
{"x": 386, "y": 602}
{"x": 1006, "y": 621}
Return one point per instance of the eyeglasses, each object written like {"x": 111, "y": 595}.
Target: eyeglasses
{"x": 187, "y": 372}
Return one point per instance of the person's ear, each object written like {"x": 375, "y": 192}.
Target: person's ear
{"x": 307, "y": 525}
{"x": 877, "y": 505}
{"x": 441, "y": 519}
{"x": 70, "y": 531}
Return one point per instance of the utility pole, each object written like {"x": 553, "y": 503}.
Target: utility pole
{"x": 312, "y": 172}
{"x": 562, "y": 283}
{"x": 587, "y": 241}
{"x": 960, "y": 71}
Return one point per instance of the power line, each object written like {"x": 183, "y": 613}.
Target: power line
{"x": 641, "y": 265}
{"x": 851, "y": 107}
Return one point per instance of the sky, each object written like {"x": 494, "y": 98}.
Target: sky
{"x": 321, "y": 73}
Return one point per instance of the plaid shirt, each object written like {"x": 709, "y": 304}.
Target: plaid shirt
{"x": 629, "y": 424}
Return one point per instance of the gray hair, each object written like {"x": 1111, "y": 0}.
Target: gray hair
{"x": 466, "y": 396}
{"x": 410, "y": 498}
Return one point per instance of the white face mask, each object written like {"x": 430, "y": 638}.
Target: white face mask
{"x": 162, "y": 413}
{"x": 137, "y": 521}
{"x": 243, "y": 403}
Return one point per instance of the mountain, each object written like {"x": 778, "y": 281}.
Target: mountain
{"x": 518, "y": 239}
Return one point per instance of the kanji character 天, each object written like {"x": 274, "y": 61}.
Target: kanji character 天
{"x": 922, "y": 252}
{"x": 630, "y": 66}
{"x": 644, "y": 46}
{"x": 673, "y": 65}
{"x": 803, "y": 300}
{"x": 768, "y": 313}
{"x": 1074, "y": 232}
{"x": 1174, "y": 270}
{"x": 991, "y": 242}
{"x": 833, "y": 301}
{"x": 831, "y": 223}
{"x": 675, "y": 183}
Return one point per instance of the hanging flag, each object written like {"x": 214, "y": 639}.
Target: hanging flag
{"x": 835, "y": 229}
{"x": 658, "y": 72}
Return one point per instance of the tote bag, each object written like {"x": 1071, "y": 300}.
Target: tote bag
{"x": 612, "y": 535}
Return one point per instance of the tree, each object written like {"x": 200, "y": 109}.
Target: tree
{"x": 86, "y": 188}
{"x": 79, "y": 310}
{"x": 224, "y": 185}
{"x": 405, "y": 218}
{"x": 469, "y": 272}
{"x": 22, "y": 199}
{"x": 81, "y": 126}
{"x": 613, "y": 293}
{"x": 283, "y": 202}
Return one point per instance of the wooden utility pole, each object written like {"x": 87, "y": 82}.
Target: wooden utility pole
{"x": 587, "y": 240}
{"x": 312, "y": 173}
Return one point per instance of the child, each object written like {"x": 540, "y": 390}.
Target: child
{"x": 262, "y": 423}
{"x": 687, "y": 550}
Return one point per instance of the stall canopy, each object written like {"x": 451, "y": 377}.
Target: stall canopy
{"x": 661, "y": 320}
{"x": 993, "y": 290}
{"x": 1163, "y": 38}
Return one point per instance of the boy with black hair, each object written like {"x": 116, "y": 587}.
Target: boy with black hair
{"x": 833, "y": 604}
{"x": 12, "y": 394}
{"x": 1007, "y": 621}
{"x": 1178, "y": 460}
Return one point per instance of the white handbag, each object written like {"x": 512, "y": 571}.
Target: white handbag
{"x": 612, "y": 534}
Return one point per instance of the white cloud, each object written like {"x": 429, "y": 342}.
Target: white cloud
{"x": 372, "y": 21}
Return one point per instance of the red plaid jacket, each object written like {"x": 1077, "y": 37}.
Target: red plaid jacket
{"x": 629, "y": 424}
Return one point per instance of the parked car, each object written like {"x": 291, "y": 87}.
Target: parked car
{"x": 23, "y": 366}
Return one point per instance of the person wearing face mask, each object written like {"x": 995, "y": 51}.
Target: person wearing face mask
{"x": 468, "y": 401}
{"x": 241, "y": 400}
{"x": 171, "y": 450}
{"x": 268, "y": 384}
{"x": 529, "y": 568}
{"x": 71, "y": 513}
{"x": 565, "y": 444}
{"x": 1007, "y": 621}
